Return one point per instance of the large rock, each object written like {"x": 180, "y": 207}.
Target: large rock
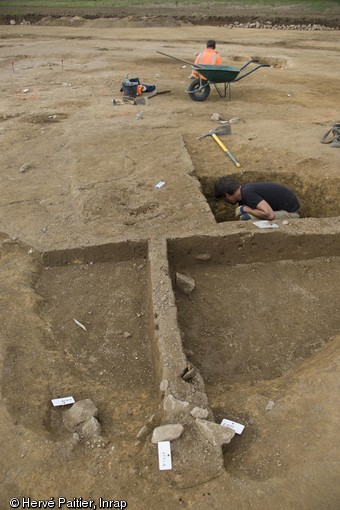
{"x": 80, "y": 412}
{"x": 185, "y": 283}
{"x": 167, "y": 433}
{"x": 217, "y": 435}
{"x": 91, "y": 428}
{"x": 198, "y": 412}
{"x": 174, "y": 407}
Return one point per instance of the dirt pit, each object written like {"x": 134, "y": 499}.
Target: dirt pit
{"x": 317, "y": 199}
{"x": 241, "y": 330}
{"x": 113, "y": 353}
{"x": 79, "y": 179}
{"x": 259, "y": 332}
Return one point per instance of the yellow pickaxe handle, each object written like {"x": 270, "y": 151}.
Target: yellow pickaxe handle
{"x": 224, "y": 148}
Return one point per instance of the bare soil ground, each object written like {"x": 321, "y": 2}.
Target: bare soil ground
{"x": 77, "y": 171}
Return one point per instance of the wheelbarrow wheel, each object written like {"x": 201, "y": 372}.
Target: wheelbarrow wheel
{"x": 194, "y": 90}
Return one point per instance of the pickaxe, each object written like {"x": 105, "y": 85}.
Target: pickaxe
{"x": 222, "y": 130}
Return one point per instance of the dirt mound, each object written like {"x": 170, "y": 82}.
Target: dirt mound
{"x": 170, "y": 16}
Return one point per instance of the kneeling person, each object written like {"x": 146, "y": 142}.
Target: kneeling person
{"x": 258, "y": 200}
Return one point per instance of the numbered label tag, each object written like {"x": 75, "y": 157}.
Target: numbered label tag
{"x": 238, "y": 427}
{"x": 265, "y": 224}
{"x": 63, "y": 401}
{"x": 164, "y": 455}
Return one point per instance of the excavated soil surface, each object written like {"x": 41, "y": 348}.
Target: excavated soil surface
{"x": 213, "y": 15}
{"x": 77, "y": 171}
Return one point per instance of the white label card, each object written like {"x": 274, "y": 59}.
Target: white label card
{"x": 238, "y": 427}
{"x": 265, "y": 224}
{"x": 164, "y": 455}
{"x": 63, "y": 401}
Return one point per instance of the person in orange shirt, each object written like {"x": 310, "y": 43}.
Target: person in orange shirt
{"x": 209, "y": 56}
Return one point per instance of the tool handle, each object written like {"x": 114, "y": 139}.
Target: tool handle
{"x": 233, "y": 159}
{"x": 228, "y": 153}
{"x": 216, "y": 138}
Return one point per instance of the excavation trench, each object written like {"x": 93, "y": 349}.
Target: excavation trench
{"x": 235, "y": 321}
{"x": 141, "y": 331}
{"x": 104, "y": 327}
{"x": 318, "y": 198}
{"x": 258, "y": 322}
{"x": 88, "y": 339}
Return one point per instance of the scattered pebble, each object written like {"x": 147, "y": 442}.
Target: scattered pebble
{"x": 270, "y": 405}
{"x": 215, "y": 116}
{"x": 25, "y": 167}
{"x": 189, "y": 373}
{"x": 234, "y": 120}
{"x": 164, "y": 384}
{"x": 203, "y": 256}
{"x": 144, "y": 431}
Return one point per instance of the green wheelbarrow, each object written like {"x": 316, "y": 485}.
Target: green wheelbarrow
{"x": 219, "y": 76}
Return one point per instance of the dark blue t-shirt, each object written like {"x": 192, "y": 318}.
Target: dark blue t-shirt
{"x": 278, "y": 197}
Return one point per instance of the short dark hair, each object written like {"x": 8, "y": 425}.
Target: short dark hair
{"x": 211, "y": 43}
{"x": 225, "y": 186}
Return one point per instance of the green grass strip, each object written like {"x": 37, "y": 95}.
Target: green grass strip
{"x": 319, "y": 5}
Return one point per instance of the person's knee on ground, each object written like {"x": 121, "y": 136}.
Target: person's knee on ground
{"x": 285, "y": 215}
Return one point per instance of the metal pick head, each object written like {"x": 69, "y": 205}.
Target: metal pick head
{"x": 220, "y": 130}
{"x": 223, "y": 130}
{"x": 207, "y": 134}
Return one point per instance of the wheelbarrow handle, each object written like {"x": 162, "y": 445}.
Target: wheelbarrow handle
{"x": 249, "y": 62}
{"x": 227, "y": 151}
{"x": 180, "y": 59}
{"x": 252, "y": 71}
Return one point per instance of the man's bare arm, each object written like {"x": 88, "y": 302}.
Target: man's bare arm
{"x": 262, "y": 211}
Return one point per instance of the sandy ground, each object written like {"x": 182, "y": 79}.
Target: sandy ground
{"x": 77, "y": 171}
